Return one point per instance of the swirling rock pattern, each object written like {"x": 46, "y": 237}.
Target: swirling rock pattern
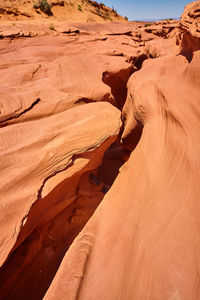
{"x": 144, "y": 235}
{"x": 75, "y": 108}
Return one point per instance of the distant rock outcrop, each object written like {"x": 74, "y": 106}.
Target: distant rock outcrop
{"x": 75, "y": 10}
{"x": 190, "y": 29}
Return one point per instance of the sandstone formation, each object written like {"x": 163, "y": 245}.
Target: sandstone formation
{"x": 76, "y": 10}
{"x": 100, "y": 167}
{"x": 190, "y": 29}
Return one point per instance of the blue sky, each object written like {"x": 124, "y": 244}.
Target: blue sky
{"x": 148, "y": 9}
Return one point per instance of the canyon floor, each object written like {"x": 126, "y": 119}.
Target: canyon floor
{"x": 100, "y": 159}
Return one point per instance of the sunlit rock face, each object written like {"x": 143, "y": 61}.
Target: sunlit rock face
{"x": 100, "y": 161}
{"x": 190, "y": 29}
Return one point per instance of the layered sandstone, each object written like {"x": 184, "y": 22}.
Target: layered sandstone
{"x": 100, "y": 160}
{"x": 190, "y": 29}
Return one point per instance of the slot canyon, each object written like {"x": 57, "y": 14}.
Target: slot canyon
{"x": 100, "y": 159}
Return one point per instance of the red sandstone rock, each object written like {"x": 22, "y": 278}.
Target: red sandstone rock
{"x": 142, "y": 241}
{"x": 59, "y": 146}
{"x": 58, "y": 122}
{"x": 76, "y": 10}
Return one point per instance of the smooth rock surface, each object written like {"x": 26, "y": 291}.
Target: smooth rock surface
{"x": 100, "y": 168}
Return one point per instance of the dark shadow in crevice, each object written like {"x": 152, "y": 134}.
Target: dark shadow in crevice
{"x": 189, "y": 44}
{"x": 84, "y": 101}
{"x": 118, "y": 84}
{"x": 30, "y": 269}
{"x": 4, "y": 123}
{"x": 132, "y": 139}
{"x": 137, "y": 61}
{"x": 128, "y": 33}
{"x": 113, "y": 160}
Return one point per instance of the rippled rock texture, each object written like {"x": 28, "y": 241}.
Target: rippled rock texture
{"x": 100, "y": 161}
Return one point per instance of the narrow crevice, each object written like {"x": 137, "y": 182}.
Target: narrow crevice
{"x": 118, "y": 81}
{"x": 189, "y": 44}
{"x": 5, "y": 123}
{"x": 84, "y": 101}
{"x": 137, "y": 61}
{"x": 128, "y": 33}
{"x": 131, "y": 141}
{"x": 118, "y": 84}
{"x": 30, "y": 269}
{"x": 65, "y": 190}
{"x": 113, "y": 160}
{"x": 77, "y": 31}
{"x": 36, "y": 70}
{"x": 62, "y": 214}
